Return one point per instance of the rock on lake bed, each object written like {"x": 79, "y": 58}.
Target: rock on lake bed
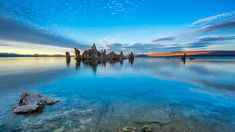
{"x": 30, "y": 103}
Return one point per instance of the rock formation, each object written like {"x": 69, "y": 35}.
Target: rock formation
{"x": 121, "y": 57}
{"x": 94, "y": 54}
{"x": 68, "y": 58}
{"x": 147, "y": 128}
{"x": 131, "y": 55}
{"x": 30, "y": 103}
{"x": 77, "y": 54}
{"x": 183, "y": 58}
{"x": 67, "y": 55}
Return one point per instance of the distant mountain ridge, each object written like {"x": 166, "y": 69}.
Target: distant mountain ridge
{"x": 22, "y": 55}
{"x": 191, "y": 53}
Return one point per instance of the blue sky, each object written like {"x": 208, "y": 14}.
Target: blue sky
{"x": 143, "y": 26}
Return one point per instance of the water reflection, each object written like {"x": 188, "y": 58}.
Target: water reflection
{"x": 215, "y": 74}
{"x": 68, "y": 60}
{"x": 93, "y": 64}
{"x": 203, "y": 72}
{"x": 78, "y": 65}
{"x": 131, "y": 61}
{"x": 18, "y": 74}
{"x": 195, "y": 94}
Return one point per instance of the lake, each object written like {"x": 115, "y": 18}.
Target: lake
{"x": 166, "y": 94}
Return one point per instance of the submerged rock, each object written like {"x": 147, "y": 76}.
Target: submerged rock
{"x": 129, "y": 129}
{"x": 30, "y": 103}
{"x": 147, "y": 128}
{"x": 28, "y": 108}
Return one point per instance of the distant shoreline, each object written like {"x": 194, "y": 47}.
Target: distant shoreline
{"x": 35, "y": 55}
{"x": 189, "y": 54}
{"x": 138, "y": 56}
{"x": 30, "y": 56}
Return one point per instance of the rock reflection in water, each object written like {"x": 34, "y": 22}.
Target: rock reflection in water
{"x": 68, "y": 61}
{"x": 77, "y": 65}
{"x": 93, "y": 64}
{"x": 68, "y": 58}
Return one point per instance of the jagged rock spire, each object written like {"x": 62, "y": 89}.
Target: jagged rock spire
{"x": 93, "y": 47}
{"x": 77, "y": 53}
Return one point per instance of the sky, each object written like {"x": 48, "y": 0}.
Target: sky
{"x": 141, "y": 26}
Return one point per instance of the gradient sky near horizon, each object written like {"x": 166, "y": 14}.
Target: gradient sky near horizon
{"x": 142, "y": 26}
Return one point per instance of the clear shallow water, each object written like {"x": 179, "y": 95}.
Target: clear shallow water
{"x": 166, "y": 94}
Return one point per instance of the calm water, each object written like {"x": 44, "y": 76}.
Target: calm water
{"x": 166, "y": 94}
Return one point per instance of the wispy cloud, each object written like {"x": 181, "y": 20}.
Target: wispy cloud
{"x": 189, "y": 40}
{"x": 226, "y": 24}
{"x": 164, "y": 38}
{"x": 201, "y": 42}
{"x": 209, "y": 40}
{"x": 215, "y": 18}
{"x": 15, "y": 31}
{"x": 149, "y": 47}
{"x": 222, "y": 21}
{"x": 143, "y": 47}
{"x": 116, "y": 7}
{"x": 217, "y": 38}
{"x": 116, "y": 46}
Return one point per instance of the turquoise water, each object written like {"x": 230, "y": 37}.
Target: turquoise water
{"x": 163, "y": 93}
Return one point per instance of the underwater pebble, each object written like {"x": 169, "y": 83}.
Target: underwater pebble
{"x": 129, "y": 129}
{"x": 147, "y": 128}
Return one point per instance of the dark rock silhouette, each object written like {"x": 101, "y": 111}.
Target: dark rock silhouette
{"x": 147, "y": 128}
{"x": 68, "y": 58}
{"x": 77, "y": 54}
{"x": 30, "y": 103}
{"x": 91, "y": 54}
{"x": 121, "y": 56}
{"x": 67, "y": 55}
{"x": 93, "y": 57}
{"x": 92, "y": 64}
{"x": 131, "y": 61}
{"x": 78, "y": 64}
{"x": 94, "y": 54}
{"x": 131, "y": 56}
{"x": 183, "y": 58}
